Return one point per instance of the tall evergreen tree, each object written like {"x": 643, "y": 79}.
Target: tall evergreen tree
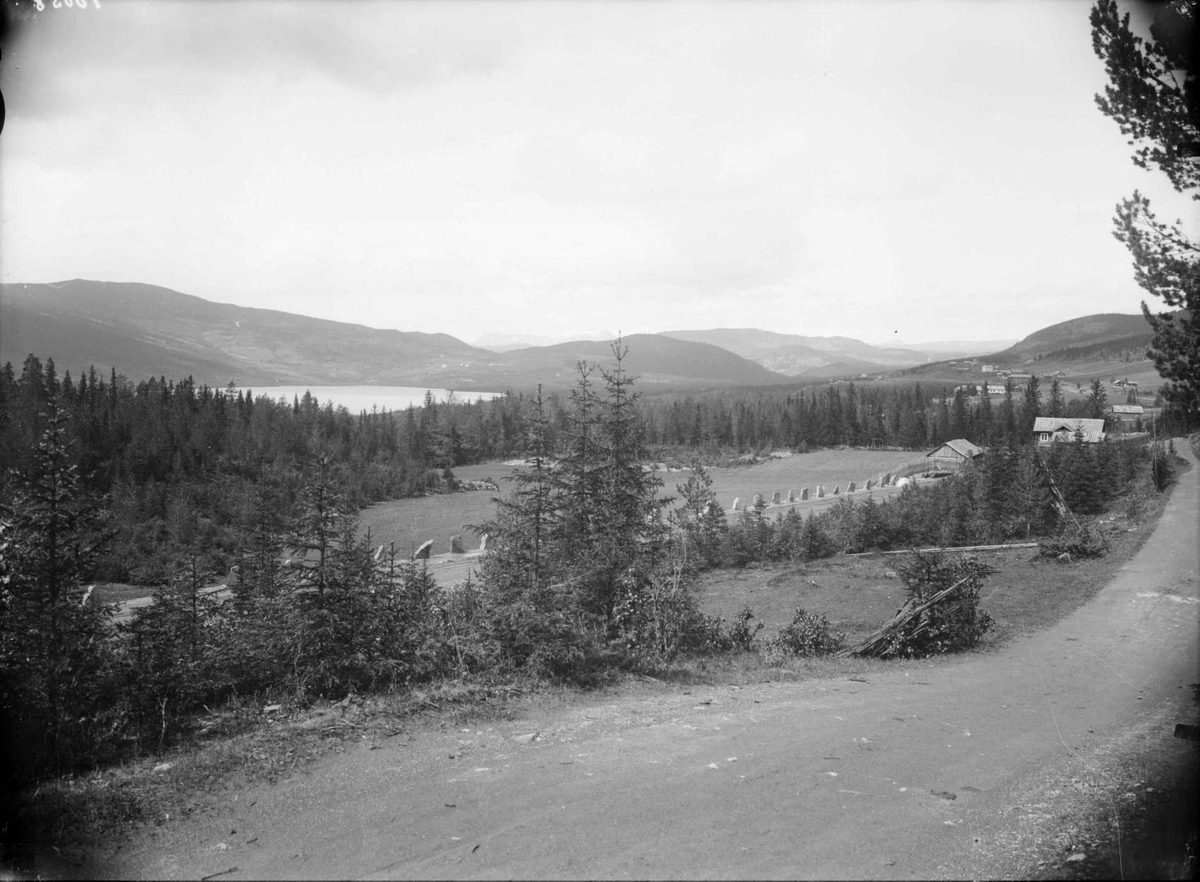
{"x": 1097, "y": 400}
{"x": 1031, "y": 409}
{"x": 1057, "y": 405}
{"x": 51, "y": 643}
{"x": 1153, "y": 96}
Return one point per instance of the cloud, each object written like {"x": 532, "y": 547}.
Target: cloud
{"x": 147, "y": 53}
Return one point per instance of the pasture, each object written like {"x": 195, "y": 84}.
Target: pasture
{"x": 829, "y": 468}
{"x": 410, "y": 522}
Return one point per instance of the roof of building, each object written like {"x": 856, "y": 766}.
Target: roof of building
{"x": 1093, "y": 430}
{"x": 961, "y": 446}
{"x": 1067, "y": 424}
{"x": 1127, "y": 408}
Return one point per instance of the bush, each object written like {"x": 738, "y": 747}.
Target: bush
{"x": 663, "y": 618}
{"x": 808, "y": 634}
{"x": 1085, "y": 540}
{"x": 740, "y": 635}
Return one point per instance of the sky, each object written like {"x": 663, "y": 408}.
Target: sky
{"x": 890, "y": 171}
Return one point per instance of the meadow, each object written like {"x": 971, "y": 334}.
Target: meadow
{"x": 410, "y": 522}
{"x": 829, "y": 468}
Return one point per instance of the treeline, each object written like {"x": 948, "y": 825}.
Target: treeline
{"x": 914, "y": 416}
{"x": 178, "y": 465}
{"x": 1009, "y": 494}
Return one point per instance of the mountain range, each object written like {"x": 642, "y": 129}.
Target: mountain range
{"x": 145, "y": 330}
{"x": 795, "y": 355}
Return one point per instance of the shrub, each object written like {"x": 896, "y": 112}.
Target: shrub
{"x": 740, "y": 634}
{"x": 808, "y": 634}
{"x": 664, "y": 619}
{"x": 1085, "y": 540}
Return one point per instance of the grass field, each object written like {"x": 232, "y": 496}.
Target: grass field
{"x": 825, "y": 467}
{"x": 410, "y": 522}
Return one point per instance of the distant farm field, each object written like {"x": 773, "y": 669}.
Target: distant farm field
{"x": 410, "y": 522}
{"x": 829, "y": 468}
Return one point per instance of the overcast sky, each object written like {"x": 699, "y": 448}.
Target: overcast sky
{"x": 907, "y": 171}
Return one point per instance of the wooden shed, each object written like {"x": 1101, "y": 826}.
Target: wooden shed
{"x": 953, "y": 454}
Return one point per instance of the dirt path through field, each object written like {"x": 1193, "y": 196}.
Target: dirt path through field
{"x": 958, "y": 767}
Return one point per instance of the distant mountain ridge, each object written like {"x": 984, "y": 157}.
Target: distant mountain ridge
{"x": 145, "y": 330}
{"x": 1090, "y": 331}
{"x": 797, "y": 355}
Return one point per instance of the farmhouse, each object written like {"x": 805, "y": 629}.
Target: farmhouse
{"x": 1049, "y": 429}
{"x": 1125, "y": 413}
{"x": 954, "y": 453}
{"x": 995, "y": 388}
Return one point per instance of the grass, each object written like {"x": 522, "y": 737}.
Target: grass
{"x": 854, "y": 593}
{"x": 825, "y": 467}
{"x": 117, "y": 592}
{"x": 410, "y": 522}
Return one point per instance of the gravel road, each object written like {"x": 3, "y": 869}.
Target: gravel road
{"x": 970, "y": 766}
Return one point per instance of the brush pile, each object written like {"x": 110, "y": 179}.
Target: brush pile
{"x": 941, "y": 612}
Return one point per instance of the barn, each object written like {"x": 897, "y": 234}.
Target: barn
{"x": 1127, "y": 414}
{"x": 953, "y": 454}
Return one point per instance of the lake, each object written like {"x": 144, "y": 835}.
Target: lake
{"x": 360, "y": 398}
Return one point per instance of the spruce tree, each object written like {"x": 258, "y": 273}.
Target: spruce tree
{"x": 699, "y": 519}
{"x": 628, "y": 534}
{"x": 51, "y": 643}
{"x": 1057, "y": 405}
{"x": 1097, "y": 400}
{"x": 1031, "y": 409}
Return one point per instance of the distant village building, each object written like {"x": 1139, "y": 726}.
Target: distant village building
{"x": 995, "y": 388}
{"x": 1050, "y": 429}
{"x": 988, "y": 368}
{"x": 953, "y": 454}
{"x": 1020, "y": 378}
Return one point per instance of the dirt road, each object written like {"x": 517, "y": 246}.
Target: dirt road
{"x": 957, "y": 767}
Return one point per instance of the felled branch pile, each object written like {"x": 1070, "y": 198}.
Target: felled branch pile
{"x": 910, "y": 622}
{"x": 1085, "y": 540}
